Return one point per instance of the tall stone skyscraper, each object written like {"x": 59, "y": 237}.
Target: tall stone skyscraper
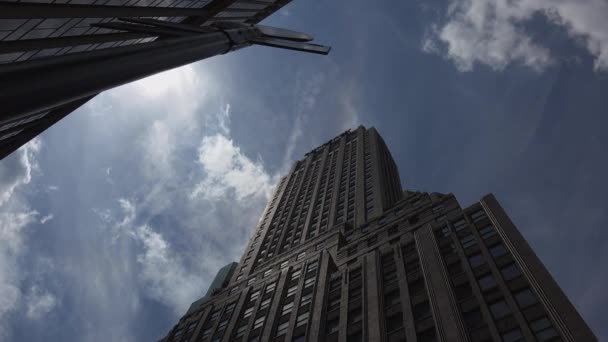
{"x": 342, "y": 254}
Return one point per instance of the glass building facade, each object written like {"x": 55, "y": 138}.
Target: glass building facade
{"x": 32, "y": 30}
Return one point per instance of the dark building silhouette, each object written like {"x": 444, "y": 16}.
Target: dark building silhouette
{"x": 55, "y": 55}
{"x": 342, "y": 254}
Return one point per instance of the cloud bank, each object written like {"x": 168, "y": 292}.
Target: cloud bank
{"x": 493, "y": 33}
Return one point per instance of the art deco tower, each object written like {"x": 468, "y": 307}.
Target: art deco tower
{"x": 342, "y": 254}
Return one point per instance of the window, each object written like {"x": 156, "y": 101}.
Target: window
{"x": 234, "y": 290}
{"x": 332, "y": 326}
{"x": 300, "y": 338}
{"x": 302, "y": 318}
{"x": 525, "y": 298}
{"x": 473, "y": 318}
{"x": 248, "y": 312}
{"x": 460, "y": 225}
{"x": 240, "y": 331}
{"x": 307, "y": 298}
{"x": 438, "y": 208}
{"x": 270, "y": 287}
{"x": 500, "y": 309}
{"x": 287, "y": 308}
{"x": 284, "y": 264}
{"x": 333, "y": 304}
{"x": 487, "y": 232}
{"x": 254, "y": 295}
{"x": 291, "y": 290}
{"x": 510, "y": 271}
{"x": 222, "y": 325}
{"x": 267, "y": 272}
{"x": 498, "y": 250}
{"x": 259, "y": 322}
{"x": 250, "y": 281}
{"x": 512, "y": 336}
{"x": 295, "y": 274}
{"x": 265, "y": 303}
{"x": 487, "y": 282}
{"x": 468, "y": 241}
{"x": 392, "y": 298}
{"x": 543, "y": 330}
{"x": 214, "y": 315}
{"x": 230, "y": 307}
{"x": 239, "y": 278}
{"x": 394, "y": 322}
{"x": 476, "y": 260}
{"x": 309, "y": 282}
{"x": 478, "y": 216}
{"x": 300, "y": 256}
{"x": 282, "y": 328}
{"x": 312, "y": 266}
{"x": 421, "y": 310}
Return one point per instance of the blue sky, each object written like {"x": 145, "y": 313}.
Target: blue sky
{"x": 117, "y": 218}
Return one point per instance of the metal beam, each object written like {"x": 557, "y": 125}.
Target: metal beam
{"x": 59, "y": 42}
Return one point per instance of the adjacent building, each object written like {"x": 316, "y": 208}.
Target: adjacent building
{"x": 342, "y": 254}
{"x": 55, "y": 55}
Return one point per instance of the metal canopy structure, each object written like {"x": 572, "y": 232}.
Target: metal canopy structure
{"x": 120, "y": 44}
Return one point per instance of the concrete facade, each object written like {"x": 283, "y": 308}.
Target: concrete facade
{"x": 406, "y": 266}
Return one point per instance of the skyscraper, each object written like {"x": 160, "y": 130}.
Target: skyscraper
{"x": 342, "y": 254}
{"x": 57, "y": 55}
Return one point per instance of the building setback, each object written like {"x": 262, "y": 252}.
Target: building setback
{"x": 342, "y": 254}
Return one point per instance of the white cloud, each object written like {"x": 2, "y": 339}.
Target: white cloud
{"x": 15, "y": 173}
{"x": 16, "y": 169}
{"x": 164, "y": 276}
{"x": 39, "y": 303}
{"x": 229, "y": 171}
{"x": 46, "y": 218}
{"x": 161, "y": 271}
{"x": 491, "y": 32}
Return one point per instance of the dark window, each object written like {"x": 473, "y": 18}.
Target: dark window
{"x": 355, "y": 316}
{"x": 427, "y": 335}
{"x": 543, "y": 330}
{"x": 476, "y": 260}
{"x": 473, "y": 318}
{"x": 455, "y": 268}
{"x": 510, "y": 271}
{"x": 421, "y": 310}
{"x": 468, "y": 241}
{"x": 487, "y": 232}
{"x": 394, "y": 322}
{"x": 392, "y": 298}
{"x": 463, "y": 291}
{"x": 332, "y": 326}
{"x": 487, "y": 282}
{"x": 478, "y": 216}
{"x": 512, "y": 336}
{"x": 525, "y": 298}
{"x": 500, "y": 309}
{"x": 498, "y": 250}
